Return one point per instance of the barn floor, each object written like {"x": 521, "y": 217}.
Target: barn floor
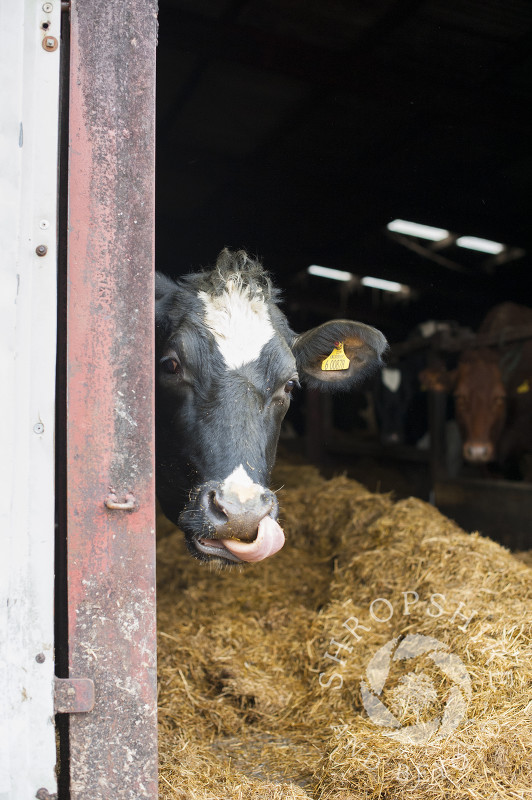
{"x": 249, "y": 704}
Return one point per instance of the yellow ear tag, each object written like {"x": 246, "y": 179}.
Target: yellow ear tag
{"x": 523, "y": 387}
{"x": 337, "y": 359}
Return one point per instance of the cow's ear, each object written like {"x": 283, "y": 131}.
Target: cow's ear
{"x": 319, "y": 358}
{"x": 165, "y": 291}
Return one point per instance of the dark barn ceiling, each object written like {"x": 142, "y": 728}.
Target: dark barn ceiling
{"x": 298, "y": 129}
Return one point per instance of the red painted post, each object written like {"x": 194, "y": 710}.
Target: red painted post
{"x": 110, "y": 443}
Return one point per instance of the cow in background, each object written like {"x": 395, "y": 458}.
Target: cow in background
{"x": 398, "y": 393}
{"x": 400, "y": 417}
{"x": 492, "y": 389}
{"x": 227, "y": 364}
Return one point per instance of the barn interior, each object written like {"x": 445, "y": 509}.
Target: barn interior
{"x": 300, "y": 131}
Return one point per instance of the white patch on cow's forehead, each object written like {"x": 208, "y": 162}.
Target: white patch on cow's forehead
{"x": 240, "y": 323}
{"x": 391, "y": 378}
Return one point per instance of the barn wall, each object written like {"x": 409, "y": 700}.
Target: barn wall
{"x": 28, "y": 184}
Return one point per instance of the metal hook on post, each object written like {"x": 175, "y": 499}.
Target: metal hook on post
{"x": 111, "y": 501}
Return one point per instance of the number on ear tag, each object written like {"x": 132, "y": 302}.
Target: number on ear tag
{"x": 337, "y": 360}
{"x": 523, "y": 388}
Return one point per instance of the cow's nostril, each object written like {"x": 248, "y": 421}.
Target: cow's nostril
{"x": 216, "y": 508}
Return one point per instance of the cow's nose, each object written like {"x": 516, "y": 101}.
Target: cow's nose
{"x": 478, "y": 452}
{"x": 235, "y": 514}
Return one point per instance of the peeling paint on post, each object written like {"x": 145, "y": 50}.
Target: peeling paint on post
{"x": 110, "y": 450}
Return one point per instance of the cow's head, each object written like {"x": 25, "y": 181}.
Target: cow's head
{"x": 227, "y": 364}
{"x": 480, "y": 401}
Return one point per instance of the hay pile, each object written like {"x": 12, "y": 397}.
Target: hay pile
{"x": 253, "y": 708}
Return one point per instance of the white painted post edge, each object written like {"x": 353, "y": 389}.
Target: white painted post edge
{"x": 29, "y": 76}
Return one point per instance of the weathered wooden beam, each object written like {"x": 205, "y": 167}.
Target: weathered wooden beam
{"x": 110, "y": 442}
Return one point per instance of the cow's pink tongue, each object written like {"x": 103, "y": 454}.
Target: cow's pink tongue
{"x": 270, "y": 539}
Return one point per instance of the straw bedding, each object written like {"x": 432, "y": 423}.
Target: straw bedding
{"x": 262, "y": 669}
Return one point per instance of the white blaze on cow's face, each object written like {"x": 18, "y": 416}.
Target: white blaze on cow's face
{"x": 240, "y": 484}
{"x": 240, "y": 323}
{"x": 391, "y": 378}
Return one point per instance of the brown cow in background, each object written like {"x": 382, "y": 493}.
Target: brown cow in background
{"x": 492, "y": 388}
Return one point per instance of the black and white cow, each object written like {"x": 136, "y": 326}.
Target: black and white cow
{"x": 400, "y": 407}
{"x": 400, "y": 402}
{"x": 227, "y": 363}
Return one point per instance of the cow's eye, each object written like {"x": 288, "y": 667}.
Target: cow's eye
{"x": 291, "y": 385}
{"x": 170, "y": 365}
